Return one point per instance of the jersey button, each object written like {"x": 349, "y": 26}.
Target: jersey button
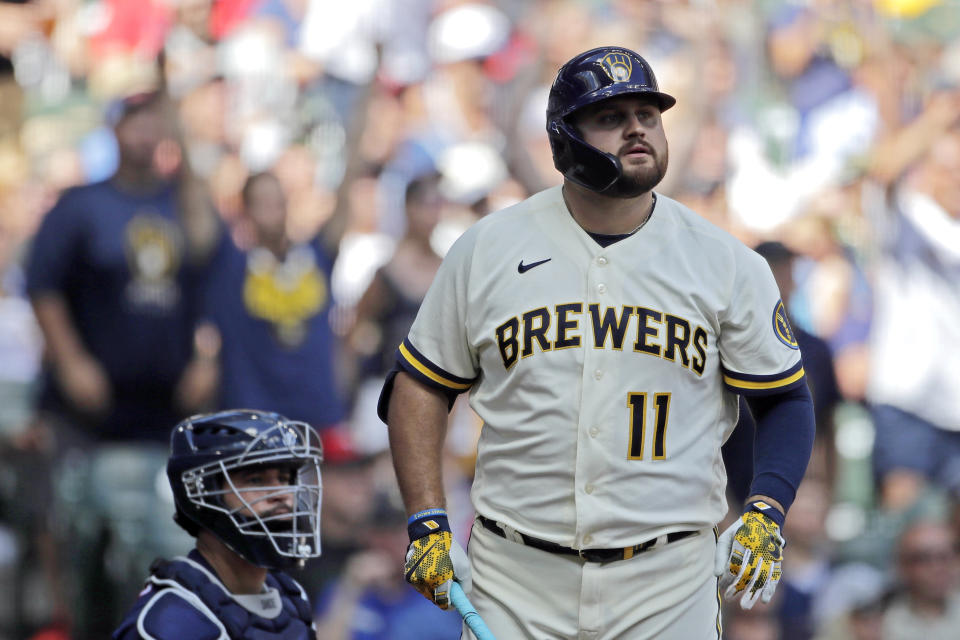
{"x": 601, "y": 261}
{"x": 587, "y": 539}
{"x": 594, "y": 431}
{"x": 588, "y": 489}
{"x": 598, "y": 374}
{"x": 602, "y": 288}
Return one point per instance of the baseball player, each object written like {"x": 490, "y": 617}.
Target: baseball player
{"x": 247, "y": 485}
{"x": 604, "y": 332}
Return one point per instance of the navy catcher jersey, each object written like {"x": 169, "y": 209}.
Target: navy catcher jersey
{"x": 184, "y": 600}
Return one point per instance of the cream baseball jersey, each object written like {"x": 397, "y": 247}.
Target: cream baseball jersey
{"x": 606, "y": 378}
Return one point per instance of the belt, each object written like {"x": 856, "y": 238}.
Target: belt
{"x": 590, "y": 555}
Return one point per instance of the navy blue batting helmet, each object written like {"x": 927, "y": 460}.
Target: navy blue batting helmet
{"x": 275, "y": 525}
{"x": 590, "y": 77}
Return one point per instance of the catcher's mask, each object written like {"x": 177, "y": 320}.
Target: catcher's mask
{"x": 590, "y": 77}
{"x": 252, "y": 478}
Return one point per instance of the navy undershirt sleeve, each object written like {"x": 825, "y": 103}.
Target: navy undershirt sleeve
{"x": 784, "y": 440}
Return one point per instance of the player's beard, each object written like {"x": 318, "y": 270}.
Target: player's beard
{"x": 641, "y": 180}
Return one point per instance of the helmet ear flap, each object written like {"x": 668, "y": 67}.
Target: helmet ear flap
{"x": 580, "y": 162}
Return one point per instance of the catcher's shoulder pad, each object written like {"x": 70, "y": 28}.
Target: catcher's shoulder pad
{"x": 170, "y": 614}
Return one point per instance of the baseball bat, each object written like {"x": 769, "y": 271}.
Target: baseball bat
{"x": 470, "y": 615}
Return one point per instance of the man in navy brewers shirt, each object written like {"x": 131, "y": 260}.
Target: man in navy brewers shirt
{"x": 110, "y": 277}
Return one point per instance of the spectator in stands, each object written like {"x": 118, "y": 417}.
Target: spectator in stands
{"x": 387, "y": 308}
{"x": 390, "y": 303}
{"x": 269, "y": 298}
{"x": 112, "y": 279}
{"x": 928, "y": 607}
{"x": 833, "y": 296}
{"x": 914, "y": 388}
{"x": 349, "y": 486}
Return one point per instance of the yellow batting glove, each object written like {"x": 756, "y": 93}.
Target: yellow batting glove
{"x": 749, "y": 555}
{"x": 434, "y": 559}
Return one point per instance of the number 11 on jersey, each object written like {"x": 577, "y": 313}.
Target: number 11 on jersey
{"x": 637, "y": 402}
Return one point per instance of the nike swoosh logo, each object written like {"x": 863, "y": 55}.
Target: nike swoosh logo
{"x": 523, "y": 268}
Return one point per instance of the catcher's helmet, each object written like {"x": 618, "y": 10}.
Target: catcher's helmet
{"x": 590, "y": 77}
{"x": 206, "y": 449}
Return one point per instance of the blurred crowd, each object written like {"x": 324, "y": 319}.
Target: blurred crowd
{"x": 222, "y": 203}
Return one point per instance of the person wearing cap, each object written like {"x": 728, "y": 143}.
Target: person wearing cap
{"x": 111, "y": 277}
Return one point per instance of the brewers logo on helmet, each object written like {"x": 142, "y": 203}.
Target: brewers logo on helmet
{"x": 618, "y": 66}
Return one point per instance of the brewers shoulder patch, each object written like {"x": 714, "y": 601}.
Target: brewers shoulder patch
{"x": 781, "y": 326}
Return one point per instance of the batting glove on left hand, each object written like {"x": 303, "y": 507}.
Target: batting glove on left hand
{"x": 434, "y": 559}
{"x": 749, "y": 556}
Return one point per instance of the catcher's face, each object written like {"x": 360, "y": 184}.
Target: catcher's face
{"x": 261, "y": 491}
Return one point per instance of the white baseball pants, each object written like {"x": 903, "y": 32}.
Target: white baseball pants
{"x": 666, "y": 593}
